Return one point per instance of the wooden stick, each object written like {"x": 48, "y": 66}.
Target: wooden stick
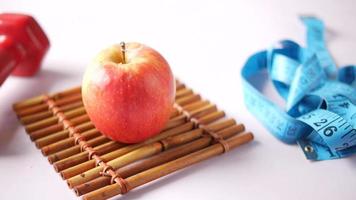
{"x": 57, "y": 127}
{"x": 72, "y": 160}
{"x": 211, "y": 117}
{"x": 188, "y": 99}
{"x": 75, "y": 149}
{"x": 61, "y": 159}
{"x": 167, "y": 168}
{"x": 174, "y": 123}
{"x": 143, "y": 152}
{"x": 28, "y": 103}
{"x": 39, "y": 99}
{"x": 203, "y": 111}
{"x": 80, "y": 167}
{"x": 35, "y": 117}
{"x": 53, "y": 120}
{"x": 69, "y": 142}
{"x": 156, "y": 160}
{"x": 142, "y": 165}
{"x": 50, "y": 139}
{"x": 44, "y": 106}
{"x": 194, "y": 105}
{"x": 183, "y": 92}
{"x": 45, "y": 114}
{"x": 65, "y": 153}
{"x": 221, "y": 124}
{"x": 138, "y": 154}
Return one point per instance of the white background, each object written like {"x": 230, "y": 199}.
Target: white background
{"x": 206, "y": 44}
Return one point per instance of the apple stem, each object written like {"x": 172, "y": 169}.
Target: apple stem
{"x": 123, "y": 49}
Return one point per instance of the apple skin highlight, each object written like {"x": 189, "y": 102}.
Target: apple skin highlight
{"x": 132, "y": 101}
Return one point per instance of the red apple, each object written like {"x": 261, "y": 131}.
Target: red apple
{"x": 128, "y": 92}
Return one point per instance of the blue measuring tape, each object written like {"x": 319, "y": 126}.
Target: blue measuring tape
{"x": 320, "y": 113}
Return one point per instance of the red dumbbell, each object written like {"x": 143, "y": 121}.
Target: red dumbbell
{"x": 23, "y": 45}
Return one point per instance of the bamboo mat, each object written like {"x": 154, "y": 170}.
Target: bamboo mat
{"x": 96, "y": 167}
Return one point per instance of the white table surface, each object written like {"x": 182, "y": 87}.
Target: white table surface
{"x": 206, "y": 43}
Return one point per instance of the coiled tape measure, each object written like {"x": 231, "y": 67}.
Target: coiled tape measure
{"x": 320, "y": 113}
